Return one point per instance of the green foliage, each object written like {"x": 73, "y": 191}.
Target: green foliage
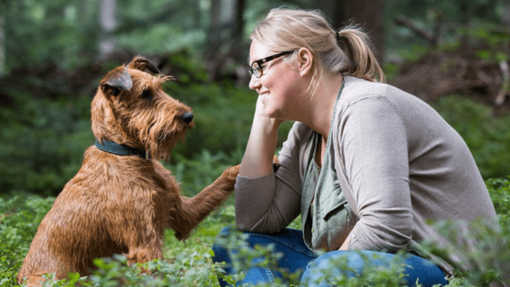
{"x": 20, "y": 216}
{"x": 487, "y": 136}
{"x": 39, "y": 33}
{"x": 496, "y": 43}
{"x": 449, "y": 20}
{"x": 158, "y": 27}
{"x": 223, "y": 115}
{"x": 488, "y": 257}
{"x": 43, "y": 142}
{"x": 189, "y": 263}
{"x": 195, "y": 174}
{"x": 480, "y": 251}
{"x": 499, "y": 189}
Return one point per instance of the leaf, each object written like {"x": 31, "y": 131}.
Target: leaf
{"x": 73, "y": 277}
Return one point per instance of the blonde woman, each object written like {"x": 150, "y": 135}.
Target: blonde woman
{"x": 365, "y": 164}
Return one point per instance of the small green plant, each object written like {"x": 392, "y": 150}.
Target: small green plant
{"x": 20, "y": 216}
{"x": 499, "y": 189}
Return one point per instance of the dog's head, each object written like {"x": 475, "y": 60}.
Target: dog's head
{"x": 131, "y": 108}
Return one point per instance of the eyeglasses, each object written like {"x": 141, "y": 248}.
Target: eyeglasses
{"x": 256, "y": 67}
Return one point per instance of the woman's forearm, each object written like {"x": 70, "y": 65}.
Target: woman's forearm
{"x": 258, "y": 157}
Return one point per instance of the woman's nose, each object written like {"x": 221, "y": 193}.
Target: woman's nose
{"x": 254, "y": 83}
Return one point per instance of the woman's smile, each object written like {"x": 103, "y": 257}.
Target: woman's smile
{"x": 264, "y": 95}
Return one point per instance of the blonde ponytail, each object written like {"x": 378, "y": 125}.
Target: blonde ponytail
{"x": 362, "y": 61}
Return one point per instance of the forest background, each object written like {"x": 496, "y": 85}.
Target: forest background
{"x": 453, "y": 54}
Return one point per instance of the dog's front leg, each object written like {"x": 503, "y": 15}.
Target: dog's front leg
{"x": 143, "y": 254}
{"x": 195, "y": 209}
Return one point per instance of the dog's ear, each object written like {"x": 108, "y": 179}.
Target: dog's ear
{"x": 116, "y": 81}
{"x": 143, "y": 64}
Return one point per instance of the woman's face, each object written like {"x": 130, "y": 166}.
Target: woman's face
{"x": 279, "y": 86}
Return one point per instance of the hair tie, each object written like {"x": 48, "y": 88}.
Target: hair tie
{"x": 338, "y": 37}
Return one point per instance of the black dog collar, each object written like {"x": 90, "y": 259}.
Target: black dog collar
{"x": 119, "y": 149}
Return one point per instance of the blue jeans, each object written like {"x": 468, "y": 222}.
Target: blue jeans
{"x": 298, "y": 258}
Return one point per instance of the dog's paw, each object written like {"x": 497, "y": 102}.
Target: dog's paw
{"x": 276, "y": 163}
{"x": 231, "y": 172}
{"x": 182, "y": 235}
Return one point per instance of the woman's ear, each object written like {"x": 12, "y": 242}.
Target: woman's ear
{"x": 305, "y": 60}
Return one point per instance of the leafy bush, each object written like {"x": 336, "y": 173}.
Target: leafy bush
{"x": 189, "y": 263}
{"x": 481, "y": 251}
{"x": 20, "y": 216}
{"x": 499, "y": 189}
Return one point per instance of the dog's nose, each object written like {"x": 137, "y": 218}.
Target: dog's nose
{"x": 187, "y": 117}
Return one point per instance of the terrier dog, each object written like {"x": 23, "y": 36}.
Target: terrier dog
{"x": 122, "y": 198}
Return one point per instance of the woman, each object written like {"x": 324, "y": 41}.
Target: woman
{"x": 365, "y": 164}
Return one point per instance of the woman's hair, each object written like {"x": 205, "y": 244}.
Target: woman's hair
{"x": 348, "y": 51}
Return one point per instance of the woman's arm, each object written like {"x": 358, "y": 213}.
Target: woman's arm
{"x": 267, "y": 201}
{"x": 374, "y": 145}
{"x": 258, "y": 157}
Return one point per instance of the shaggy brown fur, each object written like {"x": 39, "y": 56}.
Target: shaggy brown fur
{"x": 122, "y": 204}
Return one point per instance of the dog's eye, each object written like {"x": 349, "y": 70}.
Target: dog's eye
{"x": 146, "y": 94}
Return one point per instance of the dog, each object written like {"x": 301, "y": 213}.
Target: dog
{"x": 122, "y": 198}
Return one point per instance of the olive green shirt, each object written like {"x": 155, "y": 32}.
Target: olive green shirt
{"x": 324, "y": 209}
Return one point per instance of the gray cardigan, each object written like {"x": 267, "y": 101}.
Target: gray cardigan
{"x": 398, "y": 162}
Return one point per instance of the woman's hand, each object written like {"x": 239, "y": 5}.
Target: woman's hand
{"x": 345, "y": 245}
{"x": 260, "y": 114}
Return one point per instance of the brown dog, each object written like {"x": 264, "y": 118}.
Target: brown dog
{"x": 122, "y": 198}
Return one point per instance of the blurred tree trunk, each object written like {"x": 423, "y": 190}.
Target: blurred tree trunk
{"x": 506, "y": 15}
{"x": 108, "y": 23}
{"x": 367, "y": 13}
{"x": 225, "y": 37}
{"x": 227, "y": 22}
{"x": 2, "y": 47}
{"x": 197, "y": 15}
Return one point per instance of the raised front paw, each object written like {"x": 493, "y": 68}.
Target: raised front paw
{"x": 231, "y": 172}
{"x": 276, "y": 163}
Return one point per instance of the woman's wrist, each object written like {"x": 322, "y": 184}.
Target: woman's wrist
{"x": 267, "y": 126}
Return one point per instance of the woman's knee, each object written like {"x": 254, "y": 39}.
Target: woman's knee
{"x": 340, "y": 263}
{"x": 349, "y": 264}
{"x": 230, "y": 239}
{"x": 221, "y": 243}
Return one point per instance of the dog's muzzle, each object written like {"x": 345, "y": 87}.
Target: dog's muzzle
{"x": 187, "y": 117}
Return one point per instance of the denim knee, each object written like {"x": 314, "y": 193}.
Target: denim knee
{"x": 220, "y": 251}
{"x": 225, "y": 250}
{"x": 349, "y": 264}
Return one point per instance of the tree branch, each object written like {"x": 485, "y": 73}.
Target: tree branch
{"x": 427, "y": 35}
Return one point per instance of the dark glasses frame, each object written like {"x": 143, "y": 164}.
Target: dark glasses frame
{"x": 256, "y": 67}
